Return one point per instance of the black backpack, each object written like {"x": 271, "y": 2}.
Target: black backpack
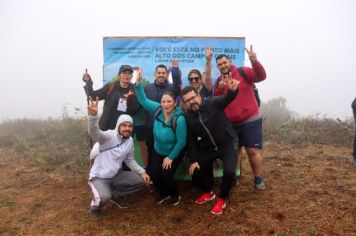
{"x": 255, "y": 90}
{"x": 174, "y": 121}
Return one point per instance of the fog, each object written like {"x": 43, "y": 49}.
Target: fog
{"x": 308, "y": 48}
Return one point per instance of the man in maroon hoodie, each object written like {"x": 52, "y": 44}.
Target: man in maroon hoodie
{"x": 243, "y": 112}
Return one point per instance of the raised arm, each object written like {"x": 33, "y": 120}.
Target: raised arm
{"x": 257, "y": 73}
{"x": 93, "y": 123}
{"x": 146, "y": 103}
{"x": 176, "y": 77}
{"x": 88, "y": 87}
{"x": 207, "y": 80}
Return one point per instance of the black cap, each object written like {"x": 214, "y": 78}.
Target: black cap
{"x": 125, "y": 68}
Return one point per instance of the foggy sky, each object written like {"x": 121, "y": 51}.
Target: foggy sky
{"x": 308, "y": 48}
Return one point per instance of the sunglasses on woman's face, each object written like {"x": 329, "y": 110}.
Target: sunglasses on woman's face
{"x": 193, "y": 78}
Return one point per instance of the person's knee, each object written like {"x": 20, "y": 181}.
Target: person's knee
{"x": 154, "y": 177}
{"x": 166, "y": 175}
{"x": 137, "y": 179}
{"x": 253, "y": 152}
{"x": 104, "y": 198}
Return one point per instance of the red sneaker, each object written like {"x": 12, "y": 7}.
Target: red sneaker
{"x": 205, "y": 197}
{"x": 219, "y": 206}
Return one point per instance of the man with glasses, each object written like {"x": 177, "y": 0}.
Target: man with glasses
{"x": 211, "y": 136}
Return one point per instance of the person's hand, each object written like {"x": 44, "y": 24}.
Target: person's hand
{"x": 223, "y": 80}
{"x": 93, "y": 106}
{"x": 86, "y": 77}
{"x": 146, "y": 178}
{"x": 192, "y": 167}
{"x": 139, "y": 75}
{"x": 232, "y": 83}
{"x": 221, "y": 84}
{"x": 167, "y": 163}
{"x": 175, "y": 63}
{"x": 209, "y": 54}
{"x": 129, "y": 94}
{"x": 251, "y": 54}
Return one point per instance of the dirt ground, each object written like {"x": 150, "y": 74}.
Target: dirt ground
{"x": 309, "y": 191}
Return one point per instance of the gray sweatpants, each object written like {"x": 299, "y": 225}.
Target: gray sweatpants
{"x": 123, "y": 184}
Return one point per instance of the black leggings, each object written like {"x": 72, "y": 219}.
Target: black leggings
{"x": 164, "y": 180}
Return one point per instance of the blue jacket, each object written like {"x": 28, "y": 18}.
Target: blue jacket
{"x": 154, "y": 91}
{"x": 167, "y": 142}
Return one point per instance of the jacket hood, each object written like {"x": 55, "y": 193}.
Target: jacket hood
{"x": 123, "y": 118}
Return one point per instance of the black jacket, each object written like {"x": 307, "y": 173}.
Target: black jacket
{"x": 209, "y": 128}
{"x": 111, "y": 93}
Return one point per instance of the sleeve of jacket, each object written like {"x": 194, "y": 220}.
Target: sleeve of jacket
{"x": 177, "y": 81}
{"x": 100, "y": 93}
{"x": 255, "y": 74}
{"x": 181, "y": 137}
{"x": 131, "y": 162}
{"x": 146, "y": 103}
{"x": 223, "y": 100}
{"x": 133, "y": 106}
{"x": 217, "y": 91}
{"x": 95, "y": 132}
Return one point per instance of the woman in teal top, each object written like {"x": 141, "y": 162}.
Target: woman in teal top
{"x": 170, "y": 141}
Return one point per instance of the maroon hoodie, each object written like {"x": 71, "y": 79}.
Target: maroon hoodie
{"x": 244, "y": 106}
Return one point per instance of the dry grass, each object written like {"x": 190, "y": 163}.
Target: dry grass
{"x": 311, "y": 190}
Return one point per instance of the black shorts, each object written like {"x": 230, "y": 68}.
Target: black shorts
{"x": 250, "y": 134}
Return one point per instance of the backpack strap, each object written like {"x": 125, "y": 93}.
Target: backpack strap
{"x": 255, "y": 90}
{"x": 174, "y": 120}
{"x": 242, "y": 73}
{"x": 157, "y": 111}
{"x": 107, "y": 149}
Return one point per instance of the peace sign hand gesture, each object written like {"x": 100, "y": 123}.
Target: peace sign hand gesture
{"x": 209, "y": 54}
{"x": 231, "y": 83}
{"x": 251, "y": 54}
{"x": 93, "y": 106}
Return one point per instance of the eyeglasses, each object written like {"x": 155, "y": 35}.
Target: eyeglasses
{"x": 193, "y": 78}
{"x": 190, "y": 99}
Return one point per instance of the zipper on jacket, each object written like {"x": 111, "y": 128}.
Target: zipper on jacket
{"x": 207, "y": 130}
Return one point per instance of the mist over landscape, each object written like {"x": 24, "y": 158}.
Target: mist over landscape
{"x": 307, "y": 48}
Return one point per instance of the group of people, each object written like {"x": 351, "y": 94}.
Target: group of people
{"x": 212, "y": 122}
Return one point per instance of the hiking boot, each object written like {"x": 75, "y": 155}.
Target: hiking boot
{"x": 174, "y": 200}
{"x": 119, "y": 201}
{"x": 259, "y": 184}
{"x": 95, "y": 214}
{"x": 219, "y": 206}
{"x": 205, "y": 197}
{"x": 160, "y": 199}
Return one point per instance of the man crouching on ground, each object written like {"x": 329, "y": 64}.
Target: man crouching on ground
{"x": 106, "y": 178}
